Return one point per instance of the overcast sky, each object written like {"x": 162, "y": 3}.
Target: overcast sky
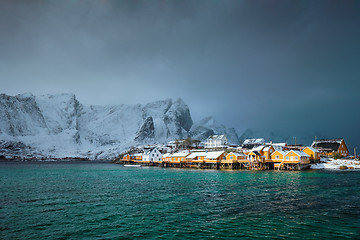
{"x": 291, "y": 66}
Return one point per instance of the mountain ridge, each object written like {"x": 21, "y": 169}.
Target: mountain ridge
{"x": 58, "y": 125}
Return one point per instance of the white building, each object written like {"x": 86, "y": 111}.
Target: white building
{"x": 277, "y": 146}
{"x": 152, "y": 155}
{"x": 216, "y": 141}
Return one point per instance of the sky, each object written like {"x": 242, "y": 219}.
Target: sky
{"x": 290, "y": 67}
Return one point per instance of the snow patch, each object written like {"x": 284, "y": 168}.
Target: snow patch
{"x": 335, "y": 164}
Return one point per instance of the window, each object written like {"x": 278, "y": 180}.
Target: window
{"x": 287, "y": 158}
{"x": 231, "y": 157}
{"x": 296, "y": 158}
{"x": 152, "y": 154}
{"x": 277, "y": 156}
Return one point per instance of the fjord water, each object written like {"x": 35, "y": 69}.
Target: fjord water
{"x": 108, "y": 201}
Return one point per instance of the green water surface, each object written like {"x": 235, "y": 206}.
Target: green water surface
{"x": 109, "y": 201}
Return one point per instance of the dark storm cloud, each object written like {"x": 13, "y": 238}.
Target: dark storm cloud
{"x": 288, "y": 66}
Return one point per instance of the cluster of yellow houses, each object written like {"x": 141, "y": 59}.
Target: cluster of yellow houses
{"x": 260, "y": 157}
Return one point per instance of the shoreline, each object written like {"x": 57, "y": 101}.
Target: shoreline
{"x": 325, "y": 165}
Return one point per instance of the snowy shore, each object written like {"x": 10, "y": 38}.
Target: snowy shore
{"x": 335, "y": 164}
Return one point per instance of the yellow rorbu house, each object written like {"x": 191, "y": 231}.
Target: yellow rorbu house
{"x": 254, "y": 156}
{"x": 297, "y": 156}
{"x": 205, "y": 159}
{"x": 267, "y": 151}
{"x": 295, "y": 160}
{"x": 212, "y": 159}
{"x": 128, "y": 158}
{"x": 195, "y": 159}
{"x": 243, "y": 161}
{"x": 175, "y": 159}
{"x": 276, "y": 159}
{"x": 235, "y": 156}
{"x": 313, "y": 153}
{"x": 232, "y": 160}
{"x": 261, "y": 153}
{"x": 257, "y": 156}
{"x": 138, "y": 157}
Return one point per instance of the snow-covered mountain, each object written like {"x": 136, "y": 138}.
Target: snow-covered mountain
{"x": 60, "y": 126}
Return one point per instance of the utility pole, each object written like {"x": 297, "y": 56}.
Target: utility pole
{"x": 295, "y": 141}
{"x": 355, "y": 152}
{"x": 316, "y": 152}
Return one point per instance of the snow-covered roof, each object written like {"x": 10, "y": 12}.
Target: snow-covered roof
{"x": 218, "y": 137}
{"x": 267, "y": 148}
{"x": 302, "y": 154}
{"x": 256, "y": 153}
{"x": 196, "y": 154}
{"x": 312, "y": 149}
{"x": 254, "y": 141}
{"x": 277, "y": 144}
{"x": 147, "y": 152}
{"x": 166, "y": 155}
{"x": 179, "y": 154}
{"x": 334, "y": 140}
{"x": 213, "y": 155}
{"x": 258, "y": 148}
{"x": 236, "y": 154}
{"x": 281, "y": 152}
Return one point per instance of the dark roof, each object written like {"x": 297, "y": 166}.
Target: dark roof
{"x": 256, "y": 153}
{"x": 250, "y": 146}
{"x": 332, "y": 140}
{"x": 327, "y": 145}
{"x": 330, "y": 146}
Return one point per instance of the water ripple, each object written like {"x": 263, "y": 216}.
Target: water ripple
{"x": 92, "y": 201}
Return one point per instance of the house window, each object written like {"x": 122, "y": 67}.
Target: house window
{"x": 231, "y": 157}
{"x": 287, "y": 158}
{"x": 296, "y": 158}
{"x": 277, "y": 157}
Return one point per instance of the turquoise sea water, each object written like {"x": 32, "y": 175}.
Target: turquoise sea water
{"x": 108, "y": 201}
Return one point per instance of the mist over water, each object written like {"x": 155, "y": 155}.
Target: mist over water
{"x": 87, "y": 201}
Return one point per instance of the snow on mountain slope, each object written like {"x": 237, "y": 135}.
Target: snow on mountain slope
{"x": 20, "y": 116}
{"x": 59, "y": 126}
{"x": 208, "y": 126}
{"x": 59, "y": 111}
